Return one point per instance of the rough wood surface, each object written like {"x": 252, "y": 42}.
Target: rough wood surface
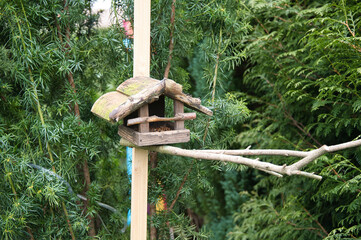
{"x": 179, "y": 116}
{"x": 128, "y": 134}
{"x": 191, "y": 102}
{"x": 143, "y": 112}
{"x": 138, "y": 100}
{"x": 161, "y": 138}
{"x": 174, "y": 91}
{"x": 173, "y": 88}
{"x": 106, "y": 104}
{"x": 277, "y": 170}
{"x": 154, "y": 138}
{"x": 141, "y": 67}
{"x": 137, "y": 84}
{"x": 114, "y": 106}
{"x": 270, "y": 168}
{"x": 139, "y": 194}
{"x": 178, "y": 109}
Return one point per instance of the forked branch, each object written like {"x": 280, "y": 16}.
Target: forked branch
{"x": 235, "y": 156}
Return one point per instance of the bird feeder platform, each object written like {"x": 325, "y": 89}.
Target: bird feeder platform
{"x": 139, "y": 103}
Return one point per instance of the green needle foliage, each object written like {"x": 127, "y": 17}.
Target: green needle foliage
{"x": 277, "y": 74}
{"x": 45, "y": 142}
{"x": 301, "y": 86}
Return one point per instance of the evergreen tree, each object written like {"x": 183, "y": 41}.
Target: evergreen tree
{"x": 56, "y": 157}
{"x": 301, "y": 87}
{"x": 294, "y": 63}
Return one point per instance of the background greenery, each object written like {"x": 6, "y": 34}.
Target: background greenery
{"x": 277, "y": 74}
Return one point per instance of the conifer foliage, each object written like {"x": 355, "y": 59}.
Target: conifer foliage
{"x": 302, "y": 88}
{"x": 277, "y": 74}
{"x": 51, "y": 150}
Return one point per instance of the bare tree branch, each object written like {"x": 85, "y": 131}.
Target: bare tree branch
{"x": 264, "y": 166}
{"x": 277, "y": 170}
{"x": 312, "y": 155}
{"x": 259, "y": 152}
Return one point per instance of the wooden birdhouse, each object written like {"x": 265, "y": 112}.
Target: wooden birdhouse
{"x": 140, "y": 103}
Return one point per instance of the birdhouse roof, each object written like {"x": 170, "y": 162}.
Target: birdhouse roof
{"x": 136, "y": 92}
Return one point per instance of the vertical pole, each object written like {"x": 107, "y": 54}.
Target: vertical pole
{"x": 141, "y": 67}
{"x": 141, "y": 61}
{"x": 178, "y": 108}
{"x": 138, "y": 225}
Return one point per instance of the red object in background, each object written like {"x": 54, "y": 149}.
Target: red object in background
{"x": 128, "y": 28}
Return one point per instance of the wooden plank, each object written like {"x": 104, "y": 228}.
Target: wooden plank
{"x": 161, "y": 138}
{"x": 141, "y": 67}
{"x": 106, "y": 104}
{"x": 192, "y": 103}
{"x": 144, "y": 112}
{"x": 135, "y": 85}
{"x": 154, "y": 118}
{"x": 154, "y": 138}
{"x": 128, "y": 134}
{"x": 172, "y": 87}
{"x": 178, "y": 109}
{"x": 139, "y": 195}
{"x": 174, "y": 91}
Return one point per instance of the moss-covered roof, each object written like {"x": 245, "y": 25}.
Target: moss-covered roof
{"x": 136, "y": 92}
{"x": 133, "y": 86}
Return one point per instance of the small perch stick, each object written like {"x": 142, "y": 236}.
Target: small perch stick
{"x": 179, "y": 116}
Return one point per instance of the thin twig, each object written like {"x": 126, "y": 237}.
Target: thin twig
{"x": 68, "y": 221}
{"x": 299, "y": 228}
{"x": 171, "y": 41}
{"x": 180, "y": 187}
{"x": 259, "y": 22}
{"x": 348, "y": 27}
{"x": 105, "y": 226}
{"x": 287, "y": 114}
{"x": 316, "y": 221}
{"x": 28, "y": 229}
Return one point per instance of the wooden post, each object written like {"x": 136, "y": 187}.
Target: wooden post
{"x": 178, "y": 108}
{"x": 141, "y": 63}
{"x": 139, "y": 196}
{"x": 144, "y": 112}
